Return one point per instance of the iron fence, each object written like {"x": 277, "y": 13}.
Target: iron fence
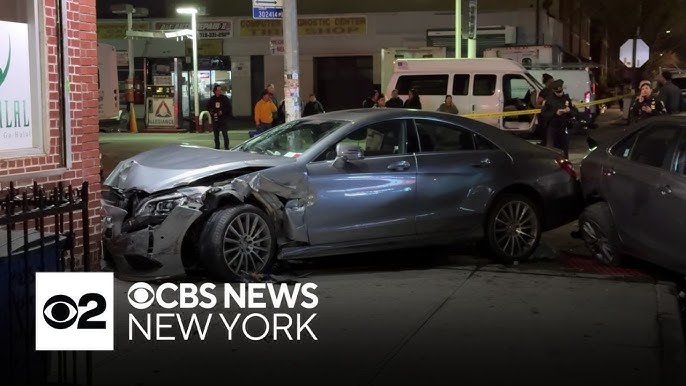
{"x": 39, "y": 230}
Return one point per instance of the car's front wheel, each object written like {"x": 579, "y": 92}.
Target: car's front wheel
{"x": 599, "y": 234}
{"x": 513, "y": 228}
{"x": 237, "y": 241}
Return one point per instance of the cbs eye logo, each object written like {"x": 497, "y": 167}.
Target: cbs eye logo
{"x": 61, "y": 311}
{"x": 74, "y": 311}
{"x": 141, "y": 296}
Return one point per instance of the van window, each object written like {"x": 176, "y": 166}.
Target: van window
{"x": 425, "y": 84}
{"x": 461, "y": 84}
{"x": 515, "y": 86}
{"x": 484, "y": 85}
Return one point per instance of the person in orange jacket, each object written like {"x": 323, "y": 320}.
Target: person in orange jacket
{"x": 264, "y": 112}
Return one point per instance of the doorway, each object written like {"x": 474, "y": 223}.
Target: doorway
{"x": 343, "y": 82}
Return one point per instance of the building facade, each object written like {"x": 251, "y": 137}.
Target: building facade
{"x": 49, "y": 98}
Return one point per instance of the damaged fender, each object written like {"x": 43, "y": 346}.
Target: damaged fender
{"x": 156, "y": 247}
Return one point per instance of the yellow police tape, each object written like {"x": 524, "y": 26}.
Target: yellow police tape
{"x": 537, "y": 111}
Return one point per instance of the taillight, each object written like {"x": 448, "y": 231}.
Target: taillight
{"x": 567, "y": 166}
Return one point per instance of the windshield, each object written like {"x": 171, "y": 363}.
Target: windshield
{"x": 291, "y": 139}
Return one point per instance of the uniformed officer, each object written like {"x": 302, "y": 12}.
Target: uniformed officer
{"x": 646, "y": 105}
{"x": 557, "y": 112}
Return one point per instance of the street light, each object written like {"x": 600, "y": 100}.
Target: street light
{"x": 196, "y": 103}
{"x": 129, "y": 10}
{"x": 668, "y": 32}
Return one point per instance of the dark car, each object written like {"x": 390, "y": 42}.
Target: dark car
{"x": 636, "y": 188}
{"x": 335, "y": 183}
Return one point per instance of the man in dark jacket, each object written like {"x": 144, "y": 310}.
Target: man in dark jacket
{"x": 312, "y": 107}
{"x": 670, "y": 94}
{"x": 395, "y": 101}
{"x": 219, "y": 107}
{"x": 557, "y": 112}
{"x": 370, "y": 100}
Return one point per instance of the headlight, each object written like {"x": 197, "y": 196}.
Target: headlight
{"x": 163, "y": 205}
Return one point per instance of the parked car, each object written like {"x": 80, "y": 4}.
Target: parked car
{"x": 636, "y": 191}
{"x": 335, "y": 183}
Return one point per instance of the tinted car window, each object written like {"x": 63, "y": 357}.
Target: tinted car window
{"x": 439, "y": 136}
{"x": 483, "y": 144}
{"x": 379, "y": 139}
{"x": 484, "y": 85}
{"x": 653, "y": 144}
{"x": 623, "y": 148}
{"x": 461, "y": 84}
{"x": 424, "y": 84}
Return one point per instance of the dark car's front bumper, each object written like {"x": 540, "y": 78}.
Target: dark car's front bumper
{"x": 150, "y": 253}
{"x": 563, "y": 205}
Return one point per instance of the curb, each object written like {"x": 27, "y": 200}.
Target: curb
{"x": 673, "y": 353}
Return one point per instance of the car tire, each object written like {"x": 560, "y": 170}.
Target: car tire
{"x": 513, "y": 228}
{"x": 237, "y": 241}
{"x": 599, "y": 233}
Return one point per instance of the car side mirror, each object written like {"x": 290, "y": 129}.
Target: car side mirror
{"x": 347, "y": 153}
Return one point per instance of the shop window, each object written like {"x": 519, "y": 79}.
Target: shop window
{"x": 22, "y": 128}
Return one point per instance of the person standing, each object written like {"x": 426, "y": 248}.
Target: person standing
{"x": 219, "y": 107}
{"x": 542, "y": 96}
{"x": 646, "y": 105}
{"x": 413, "y": 101}
{"x": 312, "y": 107}
{"x": 448, "y": 106}
{"x": 370, "y": 100}
{"x": 558, "y": 111}
{"x": 670, "y": 94}
{"x": 395, "y": 101}
{"x": 381, "y": 102}
{"x": 264, "y": 112}
{"x": 272, "y": 97}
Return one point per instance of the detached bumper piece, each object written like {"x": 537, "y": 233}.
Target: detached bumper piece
{"x": 151, "y": 253}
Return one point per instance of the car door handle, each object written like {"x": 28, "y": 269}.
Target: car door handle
{"x": 665, "y": 190}
{"x": 399, "y": 166}
{"x": 609, "y": 171}
{"x": 484, "y": 163}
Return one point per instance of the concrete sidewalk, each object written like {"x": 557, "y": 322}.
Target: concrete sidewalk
{"x": 460, "y": 324}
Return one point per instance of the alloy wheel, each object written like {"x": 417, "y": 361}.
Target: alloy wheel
{"x": 247, "y": 243}
{"x": 516, "y": 228}
{"x": 597, "y": 242}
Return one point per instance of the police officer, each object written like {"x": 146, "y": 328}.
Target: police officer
{"x": 557, "y": 112}
{"x": 646, "y": 105}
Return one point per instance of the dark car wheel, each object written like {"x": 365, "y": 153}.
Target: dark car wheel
{"x": 513, "y": 228}
{"x": 599, "y": 234}
{"x": 237, "y": 241}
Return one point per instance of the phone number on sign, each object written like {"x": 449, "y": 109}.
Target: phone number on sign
{"x": 205, "y": 35}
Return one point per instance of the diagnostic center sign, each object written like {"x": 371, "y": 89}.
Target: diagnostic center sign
{"x": 307, "y": 26}
{"x": 16, "y": 130}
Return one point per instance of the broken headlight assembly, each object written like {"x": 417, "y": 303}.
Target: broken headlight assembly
{"x": 163, "y": 205}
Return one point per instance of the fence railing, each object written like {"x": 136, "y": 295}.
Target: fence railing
{"x": 39, "y": 233}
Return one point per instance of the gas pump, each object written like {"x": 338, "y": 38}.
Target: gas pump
{"x": 160, "y": 105}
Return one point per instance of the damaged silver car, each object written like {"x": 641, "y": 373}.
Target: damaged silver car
{"x": 332, "y": 184}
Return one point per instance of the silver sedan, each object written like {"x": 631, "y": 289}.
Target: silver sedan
{"x": 334, "y": 184}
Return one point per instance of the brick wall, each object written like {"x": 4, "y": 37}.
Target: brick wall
{"x": 45, "y": 169}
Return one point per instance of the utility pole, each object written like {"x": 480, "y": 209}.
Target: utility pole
{"x": 634, "y": 69}
{"x": 458, "y": 29}
{"x": 291, "y": 60}
{"x": 133, "y": 125}
{"x": 471, "y": 38}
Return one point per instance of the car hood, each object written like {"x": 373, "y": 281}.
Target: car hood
{"x": 178, "y": 165}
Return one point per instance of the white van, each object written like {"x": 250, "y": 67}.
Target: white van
{"x": 476, "y": 85}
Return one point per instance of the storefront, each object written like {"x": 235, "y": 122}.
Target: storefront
{"x": 49, "y": 133}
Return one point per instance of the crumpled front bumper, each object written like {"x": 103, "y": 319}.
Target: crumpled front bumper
{"x": 151, "y": 253}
